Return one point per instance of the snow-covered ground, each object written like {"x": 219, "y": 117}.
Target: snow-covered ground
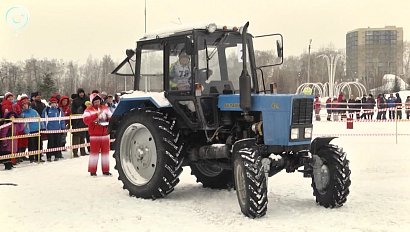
{"x": 61, "y": 196}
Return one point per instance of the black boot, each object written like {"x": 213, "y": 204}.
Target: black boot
{"x": 8, "y": 166}
{"x": 107, "y": 174}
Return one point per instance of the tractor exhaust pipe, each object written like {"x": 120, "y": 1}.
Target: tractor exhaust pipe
{"x": 244, "y": 79}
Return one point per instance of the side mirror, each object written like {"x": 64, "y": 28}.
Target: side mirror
{"x": 130, "y": 53}
{"x": 279, "y": 48}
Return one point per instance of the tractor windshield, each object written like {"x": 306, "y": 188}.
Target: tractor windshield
{"x": 221, "y": 53}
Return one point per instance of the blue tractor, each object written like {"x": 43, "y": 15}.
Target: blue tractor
{"x": 200, "y": 100}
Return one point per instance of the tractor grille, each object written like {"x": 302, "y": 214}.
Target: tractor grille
{"x": 302, "y": 111}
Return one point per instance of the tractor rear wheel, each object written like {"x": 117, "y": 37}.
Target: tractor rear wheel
{"x": 250, "y": 183}
{"x": 331, "y": 179}
{"x": 148, "y": 154}
{"x": 212, "y": 176}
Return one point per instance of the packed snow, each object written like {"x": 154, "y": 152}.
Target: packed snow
{"x": 62, "y": 196}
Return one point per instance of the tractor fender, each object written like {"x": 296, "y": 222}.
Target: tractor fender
{"x": 238, "y": 145}
{"x": 319, "y": 142}
{"x": 139, "y": 99}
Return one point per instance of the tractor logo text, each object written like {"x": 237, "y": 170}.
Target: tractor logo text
{"x": 231, "y": 105}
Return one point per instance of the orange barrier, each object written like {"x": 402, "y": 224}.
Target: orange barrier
{"x": 39, "y": 120}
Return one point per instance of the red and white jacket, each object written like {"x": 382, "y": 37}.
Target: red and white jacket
{"x": 92, "y": 120}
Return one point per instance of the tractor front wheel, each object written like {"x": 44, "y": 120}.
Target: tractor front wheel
{"x": 250, "y": 183}
{"x": 331, "y": 176}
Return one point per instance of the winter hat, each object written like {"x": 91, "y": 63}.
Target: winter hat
{"x": 8, "y": 94}
{"x": 53, "y": 100}
{"x": 80, "y": 90}
{"x": 23, "y": 99}
{"x": 103, "y": 93}
{"x": 94, "y": 97}
{"x": 35, "y": 94}
{"x": 57, "y": 96}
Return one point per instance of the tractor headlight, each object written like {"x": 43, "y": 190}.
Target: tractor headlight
{"x": 294, "y": 133}
{"x": 211, "y": 27}
{"x": 308, "y": 132}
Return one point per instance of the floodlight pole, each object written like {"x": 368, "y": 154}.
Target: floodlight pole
{"x": 308, "y": 74}
{"x": 145, "y": 14}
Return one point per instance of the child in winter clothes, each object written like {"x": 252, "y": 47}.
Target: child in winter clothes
{"x": 7, "y": 103}
{"x": 95, "y": 116}
{"x": 64, "y": 105}
{"x": 54, "y": 140}
{"x": 9, "y": 146}
{"x": 31, "y": 128}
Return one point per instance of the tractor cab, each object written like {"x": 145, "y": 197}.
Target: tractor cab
{"x": 192, "y": 67}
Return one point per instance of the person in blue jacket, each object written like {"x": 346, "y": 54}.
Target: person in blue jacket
{"x": 31, "y": 128}
{"x": 54, "y": 139}
{"x": 391, "y": 104}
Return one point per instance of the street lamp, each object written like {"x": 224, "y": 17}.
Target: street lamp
{"x": 308, "y": 74}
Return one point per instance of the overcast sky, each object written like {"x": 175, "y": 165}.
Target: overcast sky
{"x": 75, "y": 29}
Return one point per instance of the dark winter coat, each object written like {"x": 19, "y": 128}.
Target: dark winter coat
{"x": 78, "y": 107}
{"x": 391, "y": 102}
{"x": 351, "y": 104}
{"x": 398, "y": 102}
{"x": 38, "y": 106}
{"x": 329, "y": 105}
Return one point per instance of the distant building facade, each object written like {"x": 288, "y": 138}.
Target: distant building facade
{"x": 373, "y": 52}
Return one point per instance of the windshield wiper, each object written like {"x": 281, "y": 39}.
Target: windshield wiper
{"x": 218, "y": 41}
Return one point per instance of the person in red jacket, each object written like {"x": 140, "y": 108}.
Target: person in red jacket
{"x": 65, "y": 107}
{"x": 7, "y": 103}
{"x": 22, "y": 142}
{"x": 96, "y": 117}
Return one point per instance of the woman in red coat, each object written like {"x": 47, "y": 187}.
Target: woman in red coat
{"x": 22, "y": 142}
{"x": 96, "y": 117}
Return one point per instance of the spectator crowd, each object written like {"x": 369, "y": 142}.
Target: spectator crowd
{"x": 58, "y": 106}
{"x": 340, "y": 108}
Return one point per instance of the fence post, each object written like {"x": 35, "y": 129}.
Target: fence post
{"x": 395, "y": 118}
{"x": 39, "y": 140}
{"x": 12, "y": 138}
{"x": 71, "y": 137}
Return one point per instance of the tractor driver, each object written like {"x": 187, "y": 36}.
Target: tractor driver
{"x": 180, "y": 73}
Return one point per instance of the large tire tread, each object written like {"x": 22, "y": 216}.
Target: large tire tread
{"x": 255, "y": 183}
{"x": 338, "y": 188}
{"x": 169, "y": 157}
